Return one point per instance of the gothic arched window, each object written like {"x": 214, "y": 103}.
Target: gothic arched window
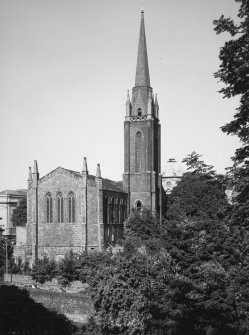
{"x": 138, "y": 206}
{"x": 71, "y": 208}
{"x": 109, "y": 211}
{"x": 118, "y": 211}
{"x": 59, "y": 208}
{"x": 49, "y": 208}
{"x": 138, "y": 152}
{"x": 113, "y": 211}
{"x": 139, "y": 111}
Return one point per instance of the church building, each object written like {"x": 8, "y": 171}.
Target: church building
{"x": 70, "y": 210}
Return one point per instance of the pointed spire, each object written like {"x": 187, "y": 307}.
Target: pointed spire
{"x": 85, "y": 165}
{"x": 30, "y": 174}
{"x": 142, "y": 71}
{"x": 98, "y": 171}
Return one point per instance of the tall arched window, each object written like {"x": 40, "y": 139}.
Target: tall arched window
{"x": 113, "y": 211}
{"x": 59, "y": 207}
{"x": 49, "y": 208}
{"x": 118, "y": 211}
{"x": 109, "y": 212}
{"x": 71, "y": 208}
{"x": 138, "y": 152}
{"x": 121, "y": 211}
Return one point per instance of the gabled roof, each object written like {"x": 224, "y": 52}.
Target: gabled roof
{"x": 111, "y": 185}
{"x": 60, "y": 169}
{"x": 116, "y": 186}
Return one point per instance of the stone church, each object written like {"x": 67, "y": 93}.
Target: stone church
{"x": 76, "y": 210}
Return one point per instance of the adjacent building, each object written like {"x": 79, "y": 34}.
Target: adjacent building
{"x": 171, "y": 175}
{"x": 9, "y": 199}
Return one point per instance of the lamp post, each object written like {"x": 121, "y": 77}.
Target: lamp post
{"x": 6, "y": 258}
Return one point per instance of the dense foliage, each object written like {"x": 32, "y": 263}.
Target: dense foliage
{"x": 185, "y": 275}
{"x": 234, "y": 74}
{"x": 19, "y": 215}
{"x": 5, "y": 243}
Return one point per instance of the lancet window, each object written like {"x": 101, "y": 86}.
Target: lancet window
{"x": 49, "y": 208}
{"x": 138, "y": 152}
{"x": 71, "y": 208}
{"x": 59, "y": 208}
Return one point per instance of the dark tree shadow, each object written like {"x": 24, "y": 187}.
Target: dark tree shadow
{"x": 20, "y": 314}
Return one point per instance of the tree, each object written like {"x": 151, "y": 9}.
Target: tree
{"x": 234, "y": 74}
{"x": 200, "y": 193}
{"x": 5, "y": 242}
{"x": 19, "y": 215}
{"x": 44, "y": 269}
{"x": 207, "y": 247}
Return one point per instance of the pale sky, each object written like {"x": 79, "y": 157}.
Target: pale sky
{"x": 66, "y": 65}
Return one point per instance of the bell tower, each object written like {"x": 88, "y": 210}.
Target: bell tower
{"x": 142, "y": 147}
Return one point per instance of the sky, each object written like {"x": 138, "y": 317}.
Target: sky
{"x": 66, "y": 66}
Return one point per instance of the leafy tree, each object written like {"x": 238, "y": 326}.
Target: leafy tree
{"x": 234, "y": 74}
{"x": 206, "y": 245}
{"x": 198, "y": 166}
{"x": 3, "y": 244}
{"x": 67, "y": 268}
{"x": 19, "y": 215}
{"x": 44, "y": 269}
{"x": 200, "y": 193}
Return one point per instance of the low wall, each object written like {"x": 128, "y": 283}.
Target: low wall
{"x": 76, "y": 307}
{"x": 18, "y": 279}
{"x": 75, "y": 303}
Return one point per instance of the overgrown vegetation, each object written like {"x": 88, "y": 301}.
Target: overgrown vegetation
{"x": 186, "y": 275}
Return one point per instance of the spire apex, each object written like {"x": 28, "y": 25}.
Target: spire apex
{"x": 142, "y": 71}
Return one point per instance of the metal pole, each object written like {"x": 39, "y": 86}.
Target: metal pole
{"x": 6, "y": 258}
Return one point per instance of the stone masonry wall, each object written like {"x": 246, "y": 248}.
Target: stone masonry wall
{"x": 56, "y": 238}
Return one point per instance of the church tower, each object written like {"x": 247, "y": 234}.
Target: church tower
{"x": 142, "y": 147}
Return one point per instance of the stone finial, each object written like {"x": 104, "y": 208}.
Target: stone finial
{"x": 85, "y": 165}
{"x": 150, "y": 101}
{"x": 128, "y": 104}
{"x": 156, "y": 107}
{"x": 98, "y": 171}
{"x": 30, "y": 174}
{"x": 35, "y": 169}
{"x": 35, "y": 174}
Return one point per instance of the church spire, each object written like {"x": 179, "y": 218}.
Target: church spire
{"x": 142, "y": 71}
